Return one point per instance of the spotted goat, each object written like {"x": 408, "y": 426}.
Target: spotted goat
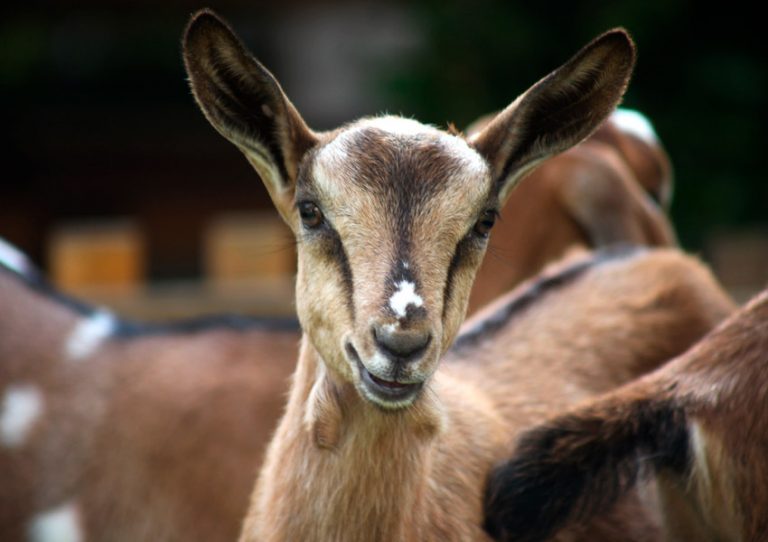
{"x": 118, "y": 431}
{"x": 391, "y": 219}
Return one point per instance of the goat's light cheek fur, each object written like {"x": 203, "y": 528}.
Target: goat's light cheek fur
{"x": 320, "y": 293}
{"x": 456, "y": 306}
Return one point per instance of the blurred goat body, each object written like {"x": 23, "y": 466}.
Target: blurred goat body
{"x": 111, "y": 430}
{"x": 115, "y": 431}
{"x": 613, "y": 188}
{"x": 698, "y": 424}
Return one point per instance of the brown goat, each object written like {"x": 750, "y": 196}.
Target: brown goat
{"x": 249, "y": 373}
{"x": 391, "y": 219}
{"x": 250, "y": 369}
{"x": 184, "y": 409}
{"x": 369, "y": 474}
{"x": 698, "y": 424}
{"x": 115, "y": 431}
{"x": 614, "y": 187}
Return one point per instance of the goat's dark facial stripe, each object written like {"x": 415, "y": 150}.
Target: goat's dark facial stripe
{"x": 339, "y": 255}
{"x": 329, "y": 239}
{"x": 458, "y": 260}
{"x": 387, "y": 166}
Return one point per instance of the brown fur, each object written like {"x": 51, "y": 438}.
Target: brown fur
{"x": 419, "y": 474}
{"x": 140, "y": 434}
{"x": 145, "y": 390}
{"x": 388, "y": 215}
{"x": 707, "y": 445}
{"x": 143, "y": 432}
{"x": 181, "y": 414}
{"x": 720, "y": 385}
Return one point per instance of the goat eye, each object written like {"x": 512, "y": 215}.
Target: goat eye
{"x": 486, "y": 222}
{"x": 311, "y": 215}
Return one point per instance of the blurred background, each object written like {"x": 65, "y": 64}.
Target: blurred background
{"x": 114, "y": 183}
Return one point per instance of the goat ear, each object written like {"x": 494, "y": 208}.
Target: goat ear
{"x": 245, "y": 103}
{"x": 558, "y": 111}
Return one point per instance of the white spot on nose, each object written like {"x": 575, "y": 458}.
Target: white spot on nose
{"x": 60, "y": 524}
{"x": 88, "y": 334}
{"x": 404, "y": 297}
{"x": 635, "y": 123}
{"x": 21, "y": 407}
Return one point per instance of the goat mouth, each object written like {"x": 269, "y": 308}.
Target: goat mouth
{"x": 386, "y": 393}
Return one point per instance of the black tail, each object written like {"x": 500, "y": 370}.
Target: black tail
{"x": 577, "y": 465}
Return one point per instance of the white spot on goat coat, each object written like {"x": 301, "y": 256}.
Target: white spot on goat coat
{"x": 13, "y": 258}
{"x": 398, "y": 125}
{"x": 404, "y": 297}
{"x": 88, "y": 334}
{"x": 60, "y": 524}
{"x": 22, "y": 406}
{"x": 635, "y": 123}
{"x": 336, "y": 152}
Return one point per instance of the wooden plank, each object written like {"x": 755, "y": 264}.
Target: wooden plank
{"x": 99, "y": 253}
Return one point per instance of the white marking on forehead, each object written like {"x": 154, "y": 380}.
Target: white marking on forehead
{"x": 404, "y": 297}
{"x": 398, "y": 126}
{"x": 21, "y": 407}
{"x": 334, "y": 154}
{"x": 88, "y": 334}
{"x": 13, "y": 258}
{"x": 60, "y": 524}
{"x": 635, "y": 123}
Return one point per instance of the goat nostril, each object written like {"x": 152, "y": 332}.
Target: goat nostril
{"x": 406, "y": 344}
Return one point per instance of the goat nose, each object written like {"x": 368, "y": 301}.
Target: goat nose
{"x": 404, "y": 344}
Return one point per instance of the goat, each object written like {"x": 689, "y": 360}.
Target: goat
{"x": 121, "y": 506}
{"x": 614, "y": 187}
{"x": 114, "y": 430}
{"x": 697, "y": 424}
{"x": 391, "y": 219}
{"x": 85, "y": 471}
{"x": 120, "y": 511}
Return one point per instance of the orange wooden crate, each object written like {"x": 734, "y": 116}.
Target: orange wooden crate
{"x": 247, "y": 247}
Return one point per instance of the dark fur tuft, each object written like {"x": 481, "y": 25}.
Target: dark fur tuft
{"x": 578, "y": 465}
